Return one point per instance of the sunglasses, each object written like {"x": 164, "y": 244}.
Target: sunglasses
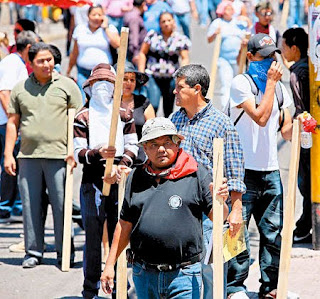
{"x": 266, "y": 14}
{"x": 17, "y": 31}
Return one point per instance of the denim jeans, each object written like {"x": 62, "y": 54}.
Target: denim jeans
{"x": 184, "y": 22}
{"x": 10, "y": 196}
{"x": 226, "y": 71}
{"x": 161, "y": 86}
{"x": 94, "y": 213}
{"x": 83, "y": 75}
{"x": 202, "y": 8}
{"x": 116, "y": 22}
{"x": 208, "y": 270}
{"x": 263, "y": 200}
{"x": 296, "y": 13}
{"x": 304, "y": 223}
{"x": 181, "y": 283}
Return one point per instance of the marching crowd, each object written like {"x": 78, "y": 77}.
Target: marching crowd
{"x": 167, "y": 211}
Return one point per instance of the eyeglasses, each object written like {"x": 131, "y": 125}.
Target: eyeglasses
{"x": 266, "y": 14}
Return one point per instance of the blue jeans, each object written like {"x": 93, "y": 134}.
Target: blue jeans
{"x": 10, "y": 196}
{"x": 181, "y": 283}
{"x": 263, "y": 200}
{"x": 94, "y": 213}
{"x": 83, "y": 75}
{"x": 207, "y": 270}
{"x": 184, "y": 22}
{"x": 202, "y": 8}
{"x": 161, "y": 86}
{"x": 296, "y": 13}
{"x": 116, "y": 22}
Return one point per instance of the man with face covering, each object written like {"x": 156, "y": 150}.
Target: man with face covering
{"x": 257, "y": 118}
{"x": 91, "y": 137}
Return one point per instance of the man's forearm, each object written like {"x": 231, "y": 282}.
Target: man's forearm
{"x": 5, "y": 99}
{"x": 236, "y": 200}
{"x": 11, "y": 137}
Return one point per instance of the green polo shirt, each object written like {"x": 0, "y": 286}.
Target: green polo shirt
{"x": 43, "y": 115}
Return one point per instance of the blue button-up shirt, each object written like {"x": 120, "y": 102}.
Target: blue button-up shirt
{"x": 199, "y": 132}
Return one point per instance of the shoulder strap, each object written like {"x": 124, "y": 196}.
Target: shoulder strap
{"x": 254, "y": 90}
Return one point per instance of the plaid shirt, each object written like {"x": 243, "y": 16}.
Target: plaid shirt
{"x": 199, "y": 133}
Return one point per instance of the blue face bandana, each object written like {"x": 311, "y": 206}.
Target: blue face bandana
{"x": 259, "y": 70}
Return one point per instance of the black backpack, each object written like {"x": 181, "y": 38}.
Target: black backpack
{"x": 255, "y": 91}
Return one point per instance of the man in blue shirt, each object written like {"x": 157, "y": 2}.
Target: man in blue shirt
{"x": 199, "y": 122}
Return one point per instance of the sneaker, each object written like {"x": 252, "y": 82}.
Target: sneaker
{"x": 302, "y": 237}
{"x": 19, "y": 247}
{"x": 30, "y": 262}
{"x": 5, "y": 216}
{"x": 239, "y": 295}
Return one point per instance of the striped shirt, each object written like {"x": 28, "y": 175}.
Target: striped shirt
{"x": 93, "y": 168}
{"x": 199, "y": 132}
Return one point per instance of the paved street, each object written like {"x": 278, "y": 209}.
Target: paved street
{"x": 47, "y": 281}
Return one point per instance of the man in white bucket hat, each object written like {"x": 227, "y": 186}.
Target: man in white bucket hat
{"x": 162, "y": 217}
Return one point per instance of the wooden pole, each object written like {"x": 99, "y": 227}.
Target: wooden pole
{"x": 288, "y": 215}
{"x": 116, "y": 101}
{"x": 214, "y": 65}
{"x": 217, "y": 205}
{"x": 285, "y": 14}
{"x": 122, "y": 279}
{"x": 66, "y": 244}
{"x": 243, "y": 56}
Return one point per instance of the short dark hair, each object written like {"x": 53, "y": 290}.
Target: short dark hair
{"x": 56, "y": 54}
{"x": 297, "y": 37}
{"x": 138, "y": 2}
{"x": 24, "y": 38}
{"x": 165, "y": 13}
{"x": 93, "y": 7}
{"x": 194, "y": 74}
{"x": 27, "y": 24}
{"x": 36, "y": 48}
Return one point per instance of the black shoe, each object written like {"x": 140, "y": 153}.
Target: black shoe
{"x": 30, "y": 262}
{"x": 5, "y": 216}
{"x": 302, "y": 237}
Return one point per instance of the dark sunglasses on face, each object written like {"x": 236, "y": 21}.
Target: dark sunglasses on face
{"x": 266, "y": 14}
{"x": 17, "y": 31}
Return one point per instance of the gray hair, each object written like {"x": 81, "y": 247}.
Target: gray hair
{"x": 24, "y": 38}
{"x": 194, "y": 74}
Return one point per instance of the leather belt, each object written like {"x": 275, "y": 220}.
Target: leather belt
{"x": 167, "y": 267}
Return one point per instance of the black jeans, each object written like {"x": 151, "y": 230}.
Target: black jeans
{"x": 304, "y": 224}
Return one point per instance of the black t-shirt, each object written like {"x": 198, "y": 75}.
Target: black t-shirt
{"x": 166, "y": 217}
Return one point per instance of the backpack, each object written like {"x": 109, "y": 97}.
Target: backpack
{"x": 255, "y": 91}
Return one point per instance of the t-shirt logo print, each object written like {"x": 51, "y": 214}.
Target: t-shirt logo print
{"x": 175, "y": 202}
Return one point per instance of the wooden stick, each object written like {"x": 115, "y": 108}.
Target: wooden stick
{"x": 122, "y": 279}
{"x": 66, "y": 244}
{"x": 214, "y": 65}
{"x": 217, "y": 205}
{"x": 288, "y": 215}
{"x": 116, "y": 102}
{"x": 285, "y": 14}
{"x": 243, "y": 56}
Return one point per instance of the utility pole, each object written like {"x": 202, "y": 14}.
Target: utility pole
{"x": 314, "y": 74}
